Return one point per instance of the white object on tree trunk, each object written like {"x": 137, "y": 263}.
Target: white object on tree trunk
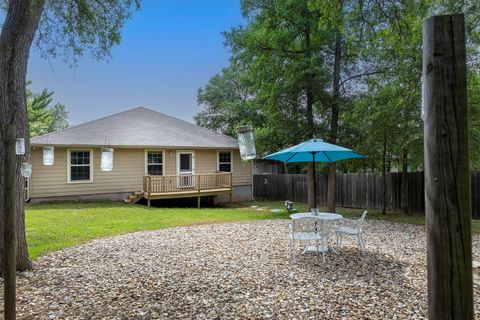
{"x": 26, "y": 170}
{"x": 20, "y": 146}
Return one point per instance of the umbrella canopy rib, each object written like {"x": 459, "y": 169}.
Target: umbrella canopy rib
{"x": 330, "y": 160}
{"x": 293, "y": 155}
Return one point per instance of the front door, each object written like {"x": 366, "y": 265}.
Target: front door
{"x": 186, "y": 169}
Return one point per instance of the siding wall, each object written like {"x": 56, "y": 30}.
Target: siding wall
{"x": 127, "y": 174}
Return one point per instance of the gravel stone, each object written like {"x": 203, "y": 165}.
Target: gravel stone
{"x": 232, "y": 271}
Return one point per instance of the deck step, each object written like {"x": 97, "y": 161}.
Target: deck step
{"x": 134, "y": 197}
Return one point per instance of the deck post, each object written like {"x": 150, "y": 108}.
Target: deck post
{"x": 198, "y": 185}
{"x": 447, "y": 172}
{"x": 148, "y": 201}
{"x": 231, "y": 187}
{"x": 197, "y": 182}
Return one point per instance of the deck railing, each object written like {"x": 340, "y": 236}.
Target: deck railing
{"x": 187, "y": 182}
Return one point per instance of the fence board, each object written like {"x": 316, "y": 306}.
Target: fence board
{"x": 356, "y": 190}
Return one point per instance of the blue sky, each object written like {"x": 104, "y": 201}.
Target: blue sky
{"x": 169, "y": 49}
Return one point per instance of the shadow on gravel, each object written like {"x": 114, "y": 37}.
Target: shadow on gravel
{"x": 353, "y": 265}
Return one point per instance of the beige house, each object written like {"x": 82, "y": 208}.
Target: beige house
{"x": 155, "y": 156}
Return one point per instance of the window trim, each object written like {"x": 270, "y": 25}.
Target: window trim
{"x": 146, "y": 159}
{"x": 231, "y": 160}
{"x": 69, "y": 164}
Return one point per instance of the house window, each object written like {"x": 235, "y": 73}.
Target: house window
{"x": 224, "y": 161}
{"x": 80, "y": 166}
{"x": 155, "y": 163}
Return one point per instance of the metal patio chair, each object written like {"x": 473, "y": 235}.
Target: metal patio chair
{"x": 307, "y": 229}
{"x": 352, "y": 228}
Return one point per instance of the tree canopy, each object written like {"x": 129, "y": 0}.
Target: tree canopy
{"x": 286, "y": 51}
{"x": 43, "y": 115}
{"x": 68, "y": 29}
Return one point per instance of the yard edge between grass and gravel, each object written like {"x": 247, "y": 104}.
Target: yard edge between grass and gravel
{"x": 54, "y": 226}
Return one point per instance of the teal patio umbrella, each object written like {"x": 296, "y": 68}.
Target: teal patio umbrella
{"x": 314, "y": 150}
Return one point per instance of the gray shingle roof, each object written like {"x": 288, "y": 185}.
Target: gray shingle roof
{"x": 138, "y": 127}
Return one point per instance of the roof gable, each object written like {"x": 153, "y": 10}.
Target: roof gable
{"x": 138, "y": 127}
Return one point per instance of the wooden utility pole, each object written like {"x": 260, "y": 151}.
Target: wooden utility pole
{"x": 10, "y": 239}
{"x": 447, "y": 172}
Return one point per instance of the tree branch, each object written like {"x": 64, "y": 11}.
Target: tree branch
{"x": 361, "y": 75}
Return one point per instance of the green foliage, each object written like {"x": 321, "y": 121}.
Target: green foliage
{"x": 277, "y": 59}
{"x": 59, "y": 117}
{"x": 67, "y": 28}
{"x": 286, "y": 47}
{"x": 43, "y": 117}
{"x": 39, "y": 117}
{"x": 396, "y": 45}
{"x": 228, "y": 102}
{"x": 474, "y": 116}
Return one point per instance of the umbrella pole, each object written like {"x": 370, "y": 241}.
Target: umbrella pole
{"x": 314, "y": 182}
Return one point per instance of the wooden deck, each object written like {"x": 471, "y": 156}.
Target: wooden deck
{"x": 187, "y": 186}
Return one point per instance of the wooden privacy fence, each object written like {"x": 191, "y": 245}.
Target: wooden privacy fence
{"x": 356, "y": 190}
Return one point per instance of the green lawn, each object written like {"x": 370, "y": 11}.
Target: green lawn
{"x": 418, "y": 219}
{"x": 52, "y": 227}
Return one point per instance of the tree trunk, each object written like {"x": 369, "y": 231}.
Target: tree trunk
{"x": 331, "y": 188}
{"x": 384, "y": 173}
{"x": 389, "y": 159}
{"x": 18, "y": 30}
{"x": 9, "y": 236}
{"x": 309, "y": 87}
{"x": 404, "y": 193}
{"x": 309, "y": 115}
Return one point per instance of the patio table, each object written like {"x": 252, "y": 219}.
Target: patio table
{"x": 322, "y": 216}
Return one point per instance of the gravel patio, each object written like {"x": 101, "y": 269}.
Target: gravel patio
{"x": 232, "y": 271}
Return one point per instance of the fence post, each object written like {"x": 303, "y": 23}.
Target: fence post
{"x": 447, "y": 175}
